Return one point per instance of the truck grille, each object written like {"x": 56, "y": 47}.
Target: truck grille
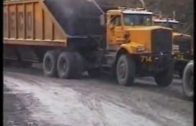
{"x": 161, "y": 41}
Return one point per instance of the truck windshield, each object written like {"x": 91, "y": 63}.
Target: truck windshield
{"x": 137, "y": 19}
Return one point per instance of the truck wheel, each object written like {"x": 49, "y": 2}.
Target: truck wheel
{"x": 49, "y": 63}
{"x": 125, "y": 70}
{"x": 69, "y": 65}
{"x": 188, "y": 81}
{"x": 165, "y": 77}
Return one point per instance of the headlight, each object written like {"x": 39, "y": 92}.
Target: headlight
{"x": 140, "y": 49}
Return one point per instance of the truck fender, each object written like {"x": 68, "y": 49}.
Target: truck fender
{"x": 128, "y": 48}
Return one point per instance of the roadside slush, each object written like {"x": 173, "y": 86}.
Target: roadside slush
{"x": 15, "y": 112}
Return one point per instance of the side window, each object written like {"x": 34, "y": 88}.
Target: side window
{"x": 116, "y": 21}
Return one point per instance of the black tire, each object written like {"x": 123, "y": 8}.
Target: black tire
{"x": 69, "y": 65}
{"x": 94, "y": 73}
{"x": 187, "y": 80}
{"x": 165, "y": 77}
{"x": 125, "y": 70}
{"x": 49, "y": 63}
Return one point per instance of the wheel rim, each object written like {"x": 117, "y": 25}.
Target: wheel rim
{"x": 48, "y": 64}
{"x": 63, "y": 65}
{"x": 122, "y": 70}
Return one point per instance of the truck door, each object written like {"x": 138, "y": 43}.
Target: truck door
{"x": 116, "y": 30}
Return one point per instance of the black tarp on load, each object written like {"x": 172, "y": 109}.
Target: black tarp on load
{"x": 76, "y": 17}
{"x": 80, "y": 17}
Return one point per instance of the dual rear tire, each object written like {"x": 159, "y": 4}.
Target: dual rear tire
{"x": 63, "y": 65}
{"x": 50, "y": 63}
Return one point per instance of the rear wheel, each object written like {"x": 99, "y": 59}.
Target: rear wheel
{"x": 69, "y": 65}
{"x": 125, "y": 70}
{"x": 49, "y": 63}
{"x": 165, "y": 77}
{"x": 188, "y": 81}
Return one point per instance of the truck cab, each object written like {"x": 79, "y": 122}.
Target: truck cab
{"x": 182, "y": 43}
{"x": 134, "y": 27}
{"x": 140, "y": 47}
{"x": 123, "y": 26}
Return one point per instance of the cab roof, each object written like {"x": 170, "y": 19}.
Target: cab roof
{"x": 137, "y": 12}
{"x": 132, "y": 11}
{"x": 158, "y": 20}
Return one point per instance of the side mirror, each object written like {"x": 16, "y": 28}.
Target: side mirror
{"x": 102, "y": 20}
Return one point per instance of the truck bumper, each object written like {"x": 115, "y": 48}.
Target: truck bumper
{"x": 154, "y": 63}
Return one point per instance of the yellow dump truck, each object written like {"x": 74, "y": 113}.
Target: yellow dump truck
{"x": 182, "y": 43}
{"x": 72, "y": 36}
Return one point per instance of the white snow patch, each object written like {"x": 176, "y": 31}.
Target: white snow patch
{"x": 65, "y": 106}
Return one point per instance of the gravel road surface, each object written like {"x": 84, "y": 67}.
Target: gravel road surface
{"x": 31, "y": 99}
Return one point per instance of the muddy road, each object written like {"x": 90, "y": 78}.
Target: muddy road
{"x": 31, "y": 99}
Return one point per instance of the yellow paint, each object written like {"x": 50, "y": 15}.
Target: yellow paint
{"x": 31, "y": 20}
{"x": 178, "y": 37}
{"x": 132, "y": 47}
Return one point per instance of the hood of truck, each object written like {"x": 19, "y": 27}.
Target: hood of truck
{"x": 143, "y": 34}
{"x": 178, "y": 37}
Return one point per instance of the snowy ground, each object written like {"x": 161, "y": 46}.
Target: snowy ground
{"x": 30, "y": 99}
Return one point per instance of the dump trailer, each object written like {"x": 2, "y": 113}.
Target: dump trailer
{"x": 72, "y": 36}
{"x": 182, "y": 44}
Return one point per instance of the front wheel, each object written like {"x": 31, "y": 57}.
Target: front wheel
{"x": 188, "y": 80}
{"x": 165, "y": 77}
{"x": 125, "y": 70}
